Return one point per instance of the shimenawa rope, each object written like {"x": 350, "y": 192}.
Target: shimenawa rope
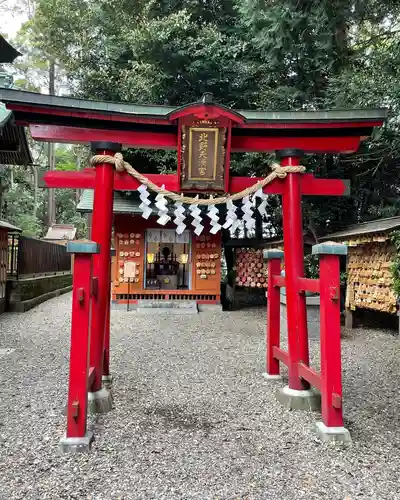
{"x": 121, "y": 165}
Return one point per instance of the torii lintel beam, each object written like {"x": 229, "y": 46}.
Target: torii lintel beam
{"x": 85, "y": 179}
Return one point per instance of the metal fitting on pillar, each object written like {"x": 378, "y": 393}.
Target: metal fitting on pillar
{"x": 115, "y": 147}
{"x": 289, "y": 153}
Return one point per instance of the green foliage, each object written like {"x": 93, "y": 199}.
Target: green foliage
{"x": 311, "y": 266}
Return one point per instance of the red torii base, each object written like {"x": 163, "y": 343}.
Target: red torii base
{"x": 326, "y": 391}
{"x": 96, "y": 378}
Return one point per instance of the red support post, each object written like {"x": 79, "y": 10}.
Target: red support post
{"x": 331, "y": 371}
{"x": 101, "y": 233}
{"x": 274, "y": 258}
{"x": 76, "y": 437}
{"x": 331, "y": 428}
{"x": 294, "y": 269}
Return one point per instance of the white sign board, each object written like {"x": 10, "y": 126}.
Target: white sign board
{"x": 153, "y": 236}
{"x": 183, "y": 238}
{"x": 168, "y": 236}
{"x": 129, "y": 269}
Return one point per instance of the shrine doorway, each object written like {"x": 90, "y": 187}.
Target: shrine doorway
{"x": 168, "y": 260}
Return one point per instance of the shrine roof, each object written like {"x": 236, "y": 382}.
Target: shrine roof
{"x": 9, "y": 227}
{"x": 122, "y": 204}
{"x": 60, "y": 232}
{"x": 7, "y": 52}
{"x": 31, "y": 101}
{"x": 14, "y": 149}
{"x": 374, "y": 226}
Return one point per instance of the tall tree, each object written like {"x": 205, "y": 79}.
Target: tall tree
{"x": 286, "y": 54}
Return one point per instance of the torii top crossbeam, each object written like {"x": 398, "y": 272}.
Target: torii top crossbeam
{"x": 69, "y": 120}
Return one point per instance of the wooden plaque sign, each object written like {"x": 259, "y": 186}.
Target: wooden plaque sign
{"x": 203, "y": 156}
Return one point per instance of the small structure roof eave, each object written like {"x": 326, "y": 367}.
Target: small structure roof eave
{"x": 14, "y": 148}
{"x": 375, "y": 226}
{"x": 9, "y": 227}
{"x": 121, "y": 204}
{"x": 60, "y": 232}
{"x": 7, "y": 52}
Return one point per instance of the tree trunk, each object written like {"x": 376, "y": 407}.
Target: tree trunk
{"x": 51, "y": 210}
{"x": 35, "y": 191}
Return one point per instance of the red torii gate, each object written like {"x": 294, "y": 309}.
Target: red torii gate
{"x": 109, "y": 126}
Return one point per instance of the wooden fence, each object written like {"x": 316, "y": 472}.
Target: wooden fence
{"x": 33, "y": 257}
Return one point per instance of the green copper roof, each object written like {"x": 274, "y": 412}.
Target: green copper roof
{"x": 162, "y": 112}
{"x": 122, "y": 204}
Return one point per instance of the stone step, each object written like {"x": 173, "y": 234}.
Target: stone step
{"x": 149, "y": 306}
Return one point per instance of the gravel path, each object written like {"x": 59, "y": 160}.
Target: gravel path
{"x": 193, "y": 418}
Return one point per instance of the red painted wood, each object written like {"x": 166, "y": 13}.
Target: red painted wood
{"x": 278, "y": 280}
{"x": 273, "y": 317}
{"x": 128, "y": 138}
{"x": 313, "y": 125}
{"x": 106, "y": 352}
{"x": 307, "y": 144}
{"x": 228, "y": 149}
{"x": 309, "y": 285}
{"x": 206, "y": 111}
{"x": 331, "y": 369}
{"x": 85, "y": 179}
{"x": 79, "y": 349}
{"x": 101, "y": 233}
{"x": 90, "y": 115}
{"x": 312, "y": 186}
{"x": 294, "y": 269}
{"x": 310, "y": 375}
{"x": 281, "y": 355}
{"x": 179, "y": 152}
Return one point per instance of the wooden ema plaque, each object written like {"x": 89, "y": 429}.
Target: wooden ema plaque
{"x": 204, "y": 165}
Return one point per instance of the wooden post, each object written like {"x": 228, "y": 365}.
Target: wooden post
{"x": 349, "y": 319}
{"x": 77, "y": 438}
{"x": 331, "y": 370}
{"x": 274, "y": 258}
{"x": 101, "y": 233}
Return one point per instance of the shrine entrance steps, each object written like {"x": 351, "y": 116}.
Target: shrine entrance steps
{"x": 148, "y": 306}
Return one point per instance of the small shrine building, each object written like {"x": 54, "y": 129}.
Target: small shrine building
{"x": 154, "y": 262}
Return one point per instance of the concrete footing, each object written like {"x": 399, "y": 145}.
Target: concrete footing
{"x": 100, "y": 401}
{"x": 76, "y": 444}
{"x": 333, "y": 434}
{"x": 267, "y": 376}
{"x": 299, "y": 400}
{"x": 107, "y": 381}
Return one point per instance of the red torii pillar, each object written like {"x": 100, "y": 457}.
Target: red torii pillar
{"x": 297, "y": 394}
{"x": 100, "y": 400}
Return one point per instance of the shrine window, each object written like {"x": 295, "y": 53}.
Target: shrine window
{"x": 168, "y": 260}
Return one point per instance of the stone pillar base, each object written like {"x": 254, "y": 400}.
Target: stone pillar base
{"x": 267, "y": 376}
{"x": 76, "y": 444}
{"x": 99, "y": 401}
{"x": 107, "y": 381}
{"x": 333, "y": 434}
{"x": 299, "y": 400}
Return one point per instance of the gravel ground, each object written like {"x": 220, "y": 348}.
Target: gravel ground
{"x": 193, "y": 417}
